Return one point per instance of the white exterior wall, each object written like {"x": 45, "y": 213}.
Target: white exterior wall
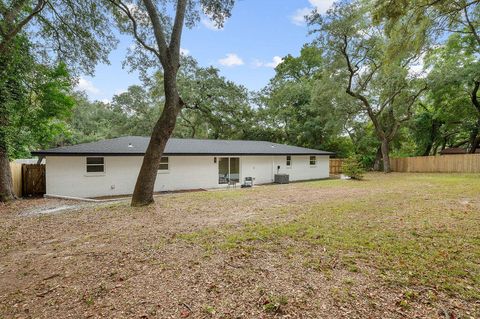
{"x": 67, "y": 176}
{"x": 300, "y": 168}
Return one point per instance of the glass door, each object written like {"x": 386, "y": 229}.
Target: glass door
{"x": 228, "y": 170}
{"x": 223, "y": 170}
{"x": 234, "y": 169}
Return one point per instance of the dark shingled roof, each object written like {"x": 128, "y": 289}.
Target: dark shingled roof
{"x": 457, "y": 150}
{"x": 136, "y": 145}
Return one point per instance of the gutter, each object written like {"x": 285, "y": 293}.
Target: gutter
{"x": 43, "y": 154}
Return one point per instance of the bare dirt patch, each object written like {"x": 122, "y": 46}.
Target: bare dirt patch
{"x": 266, "y": 252}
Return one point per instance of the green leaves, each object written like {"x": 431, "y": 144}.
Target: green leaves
{"x": 35, "y": 100}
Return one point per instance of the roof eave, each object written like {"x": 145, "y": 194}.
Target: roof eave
{"x": 41, "y": 153}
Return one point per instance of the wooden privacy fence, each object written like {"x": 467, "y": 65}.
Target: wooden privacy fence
{"x": 336, "y": 166}
{"x": 28, "y": 179}
{"x": 16, "y": 169}
{"x": 462, "y": 163}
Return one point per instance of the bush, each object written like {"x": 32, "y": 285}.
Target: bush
{"x": 353, "y": 168}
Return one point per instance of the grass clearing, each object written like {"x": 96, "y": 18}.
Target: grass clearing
{"x": 392, "y": 246}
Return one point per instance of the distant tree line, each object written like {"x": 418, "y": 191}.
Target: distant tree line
{"x": 380, "y": 79}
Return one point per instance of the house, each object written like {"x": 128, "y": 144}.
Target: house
{"x": 110, "y": 167}
{"x": 456, "y": 150}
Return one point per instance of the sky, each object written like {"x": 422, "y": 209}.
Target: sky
{"x": 247, "y": 49}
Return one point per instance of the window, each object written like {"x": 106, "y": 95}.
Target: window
{"x": 163, "y": 164}
{"x": 313, "y": 160}
{"x": 95, "y": 165}
{"x": 289, "y": 161}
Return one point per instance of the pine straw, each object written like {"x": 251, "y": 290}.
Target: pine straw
{"x": 395, "y": 246}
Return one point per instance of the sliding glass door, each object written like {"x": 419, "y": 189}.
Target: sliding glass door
{"x": 235, "y": 169}
{"x": 228, "y": 170}
{"x": 223, "y": 170}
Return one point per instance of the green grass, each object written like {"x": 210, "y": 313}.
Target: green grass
{"x": 415, "y": 230}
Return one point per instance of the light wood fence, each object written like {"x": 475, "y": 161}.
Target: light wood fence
{"x": 16, "y": 169}
{"x": 462, "y": 163}
{"x": 336, "y": 166}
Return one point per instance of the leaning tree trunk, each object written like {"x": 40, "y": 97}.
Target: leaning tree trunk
{"x": 6, "y": 183}
{"x": 144, "y": 187}
{"x": 475, "y": 140}
{"x": 377, "y": 165}
{"x": 385, "y": 155}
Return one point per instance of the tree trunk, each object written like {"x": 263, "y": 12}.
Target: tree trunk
{"x": 6, "y": 183}
{"x": 377, "y": 165}
{"x": 432, "y": 138}
{"x": 385, "y": 155}
{"x": 144, "y": 187}
{"x": 474, "y": 136}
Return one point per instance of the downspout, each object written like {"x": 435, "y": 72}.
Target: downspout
{"x": 273, "y": 169}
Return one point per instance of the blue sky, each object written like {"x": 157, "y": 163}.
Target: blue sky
{"x": 246, "y": 50}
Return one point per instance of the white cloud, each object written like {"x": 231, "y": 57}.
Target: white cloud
{"x": 257, "y": 63}
{"x": 87, "y": 86}
{"x": 209, "y": 24}
{"x": 321, "y": 5}
{"x": 105, "y": 101}
{"x": 276, "y": 60}
{"x": 298, "y": 18}
{"x": 184, "y": 51}
{"x": 231, "y": 60}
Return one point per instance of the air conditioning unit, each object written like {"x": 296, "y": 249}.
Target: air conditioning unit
{"x": 281, "y": 178}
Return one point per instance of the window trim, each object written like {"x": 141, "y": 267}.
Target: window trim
{"x": 164, "y": 171}
{"x": 288, "y": 161}
{"x": 314, "y": 160}
{"x": 100, "y": 173}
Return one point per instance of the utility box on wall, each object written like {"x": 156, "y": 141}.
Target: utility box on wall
{"x": 281, "y": 178}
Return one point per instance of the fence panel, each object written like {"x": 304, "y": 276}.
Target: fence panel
{"x": 16, "y": 169}
{"x": 461, "y": 163}
{"x": 336, "y": 166}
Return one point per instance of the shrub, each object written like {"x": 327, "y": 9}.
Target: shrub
{"x": 353, "y": 168}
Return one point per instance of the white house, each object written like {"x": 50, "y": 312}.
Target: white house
{"x": 110, "y": 167}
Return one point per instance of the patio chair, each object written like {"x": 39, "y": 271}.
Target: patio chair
{"x": 248, "y": 182}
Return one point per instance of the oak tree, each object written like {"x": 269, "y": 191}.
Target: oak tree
{"x": 76, "y": 33}
{"x": 157, "y": 27}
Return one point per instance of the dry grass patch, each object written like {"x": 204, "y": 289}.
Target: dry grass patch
{"x": 393, "y": 246}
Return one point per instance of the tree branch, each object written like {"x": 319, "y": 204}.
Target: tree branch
{"x": 10, "y": 34}
{"x": 474, "y": 96}
{"x": 471, "y": 26}
{"x": 389, "y": 100}
{"x": 159, "y": 32}
{"x": 176, "y": 36}
{"x": 356, "y": 95}
{"x": 124, "y": 8}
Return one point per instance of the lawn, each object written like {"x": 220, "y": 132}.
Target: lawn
{"x": 392, "y": 246}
